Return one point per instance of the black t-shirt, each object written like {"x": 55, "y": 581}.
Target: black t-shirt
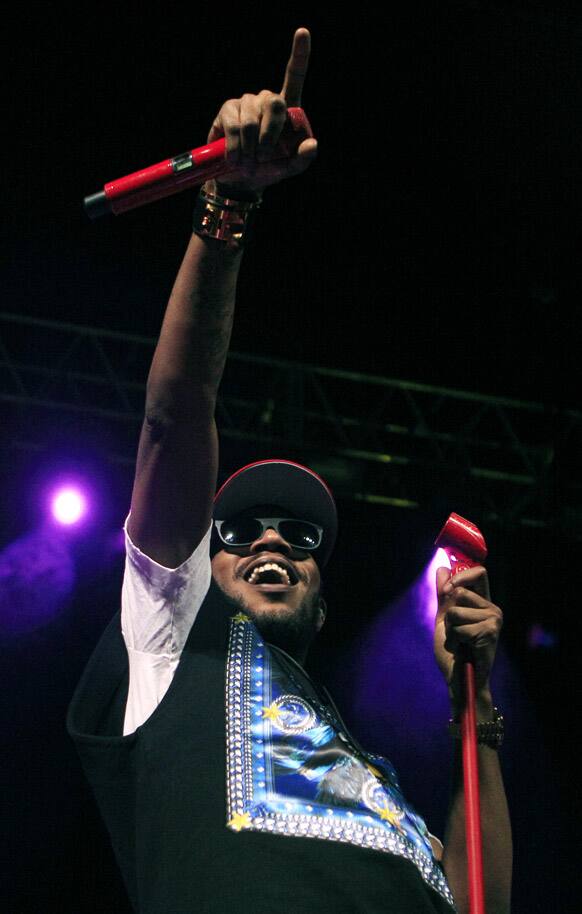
{"x": 242, "y": 792}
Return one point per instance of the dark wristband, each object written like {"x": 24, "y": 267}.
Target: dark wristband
{"x": 490, "y": 733}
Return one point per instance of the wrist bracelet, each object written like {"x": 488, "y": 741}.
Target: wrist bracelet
{"x": 490, "y": 733}
{"x": 223, "y": 218}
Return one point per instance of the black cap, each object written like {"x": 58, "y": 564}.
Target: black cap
{"x": 290, "y": 486}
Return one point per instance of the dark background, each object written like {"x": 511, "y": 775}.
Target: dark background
{"x": 435, "y": 239}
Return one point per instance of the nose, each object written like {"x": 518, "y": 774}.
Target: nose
{"x": 271, "y": 541}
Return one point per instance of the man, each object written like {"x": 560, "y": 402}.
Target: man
{"x": 225, "y": 775}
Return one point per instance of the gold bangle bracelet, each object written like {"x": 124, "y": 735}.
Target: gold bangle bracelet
{"x": 223, "y": 218}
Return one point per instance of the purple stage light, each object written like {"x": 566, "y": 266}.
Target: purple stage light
{"x": 399, "y": 688}
{"x": 68, "y": 505}
{"x": 398, "y": 697}
{"x": 398, "y": 681}
{"x": 426, "y": 588}
{"x": 539, "y": 637}
{"x": 37, "y": 577}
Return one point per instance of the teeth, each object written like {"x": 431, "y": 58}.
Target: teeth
{"x": 269, "y": 566}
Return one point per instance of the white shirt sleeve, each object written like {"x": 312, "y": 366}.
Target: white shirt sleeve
{"x": 158, "y": 608}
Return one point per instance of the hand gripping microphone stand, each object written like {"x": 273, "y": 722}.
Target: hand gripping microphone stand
{"x": 182, "y": 171}
{"x": 465, "y": 547}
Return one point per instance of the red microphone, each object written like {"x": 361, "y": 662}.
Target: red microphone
{"x": 185, "y": 170}
{"x": 463, "y": 543}
{"x": 465, "y": 547}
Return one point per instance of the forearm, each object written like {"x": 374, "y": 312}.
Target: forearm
{"x": 191, "y": 352}
{"x": 178, "y": 449}
{"x": 495, "y": 824}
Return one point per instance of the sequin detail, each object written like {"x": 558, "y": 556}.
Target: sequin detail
{"x": 292, "y": 770}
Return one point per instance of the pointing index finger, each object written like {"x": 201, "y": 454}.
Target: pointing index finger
{"x": 296, "y": 68}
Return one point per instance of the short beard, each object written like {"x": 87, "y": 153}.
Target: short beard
{"x": 292, "y": 634}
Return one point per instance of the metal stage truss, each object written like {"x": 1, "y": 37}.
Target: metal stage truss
{"x": 379, "y": 440}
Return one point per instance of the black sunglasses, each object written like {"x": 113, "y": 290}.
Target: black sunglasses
{"x": 242, "y": 531}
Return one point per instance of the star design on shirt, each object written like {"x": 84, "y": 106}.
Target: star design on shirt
{"x": 272, "y": 713}
{"x": 392, "y": 816}
{"x": 240, "y": 820}
{"x": 240, "y": 617}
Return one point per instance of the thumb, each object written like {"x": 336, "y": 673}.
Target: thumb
{"x": 303, "y": 158}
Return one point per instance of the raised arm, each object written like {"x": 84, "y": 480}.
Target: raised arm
{"x": 177, "y": 461}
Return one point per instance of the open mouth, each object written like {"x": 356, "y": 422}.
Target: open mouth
{"x": 271, "y": 574}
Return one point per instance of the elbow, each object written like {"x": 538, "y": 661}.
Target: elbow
{"x": 175, "y": 404}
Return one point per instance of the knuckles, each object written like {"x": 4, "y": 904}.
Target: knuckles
{"x": 264, "y": 99}
{"x": 278, "y": 106}
{"x": 244, "y": 113}
{"x": 274, "y": 101}
{"x": 229, "y": 109}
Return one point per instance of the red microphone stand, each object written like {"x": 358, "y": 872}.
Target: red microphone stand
{"x": 465, "y": 547}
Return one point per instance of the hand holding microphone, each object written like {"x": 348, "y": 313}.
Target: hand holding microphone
{"x": 466, "y": 635}
{"x": 254, "y": 141}
{"x": 467, "y": 621}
